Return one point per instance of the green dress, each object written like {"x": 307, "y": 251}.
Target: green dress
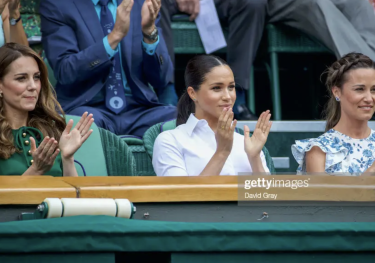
{"x": 19, "y": 162}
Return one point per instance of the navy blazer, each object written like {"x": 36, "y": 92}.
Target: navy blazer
{"x": 73, "y": 41}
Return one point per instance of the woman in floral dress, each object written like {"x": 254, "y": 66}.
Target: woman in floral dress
{"x": 348, "y": 146}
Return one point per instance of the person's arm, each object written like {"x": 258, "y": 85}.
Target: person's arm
{"x": 71, "y": 140}
{"x": 69, "y": 63}
{"x": 255, "y": 143}
{"x": 257, "y": 165}
{"x": 69, "y": 169}
{"x": 157, "y": 64}
{"x": 315, "y": 160}
{"x": 190, "y": 7}
{"x": 14, "y": 33}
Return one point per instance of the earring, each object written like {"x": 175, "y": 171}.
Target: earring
{"x": 337, "y": 99}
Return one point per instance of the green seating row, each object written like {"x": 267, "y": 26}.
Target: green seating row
{"x": 106, "y": 154}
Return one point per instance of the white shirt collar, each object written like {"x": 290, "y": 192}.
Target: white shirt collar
{"x": 193, "y": 122}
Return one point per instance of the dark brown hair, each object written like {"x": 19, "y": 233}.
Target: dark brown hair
{"x": 336, "y": 77}
{"x": 46, "y": 115}
{"x": 195, "y": 74}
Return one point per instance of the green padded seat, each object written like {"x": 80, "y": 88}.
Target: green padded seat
{"x": 142, "y": 159}
{"x": 103, "y": 154}
{"x": 119, "y": 158}
{"x": 150, "y": 136}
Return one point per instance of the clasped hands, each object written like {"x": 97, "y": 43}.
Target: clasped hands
{"x": 70, "y": 141}
{"x": 150, "y": 11}
{"x": 253, "y": 145}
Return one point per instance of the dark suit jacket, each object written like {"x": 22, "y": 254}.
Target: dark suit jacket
{"x": 73, "y": 41}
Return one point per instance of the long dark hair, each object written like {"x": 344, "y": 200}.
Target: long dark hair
{"x": 195, "y": 74}
{"x": 45, "y": 117}
{"x": 336, "y": 77}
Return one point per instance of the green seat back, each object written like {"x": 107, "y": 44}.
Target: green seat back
{"x": 91, "y": 153}
{"x": 118, "y": 156}
{"x": 153, "y": 132}
{"x": 142, "y": 160}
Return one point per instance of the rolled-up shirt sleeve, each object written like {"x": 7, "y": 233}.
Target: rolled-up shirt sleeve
{"x": 167, "y": 159}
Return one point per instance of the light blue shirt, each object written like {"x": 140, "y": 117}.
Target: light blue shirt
{"x": 149, "y": 48}
{"x": 2, "y": 37}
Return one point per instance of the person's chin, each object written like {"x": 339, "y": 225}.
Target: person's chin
{"x": 366, "y": 116}
{"x": 29, "y": 107}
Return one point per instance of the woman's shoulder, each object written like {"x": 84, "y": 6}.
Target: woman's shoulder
{"x": 170, "y": 136}
{"x": 327, "y": 142}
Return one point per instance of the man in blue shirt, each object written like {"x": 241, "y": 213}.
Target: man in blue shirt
{"x": 108, "y": 57}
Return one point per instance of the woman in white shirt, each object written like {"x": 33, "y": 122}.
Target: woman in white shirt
{"x": 11, "y": 28}
{"x": 204, "y": 142}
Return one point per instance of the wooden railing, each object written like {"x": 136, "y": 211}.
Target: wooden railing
{"x": 33, "y": 190}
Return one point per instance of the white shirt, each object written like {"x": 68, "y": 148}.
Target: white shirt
{"x": 187, "y": 149}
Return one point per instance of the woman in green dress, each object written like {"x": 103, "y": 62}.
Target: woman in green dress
{"x": 34, "y": 137}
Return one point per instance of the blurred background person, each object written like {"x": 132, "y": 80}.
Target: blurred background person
{"x": 11, "y": 28}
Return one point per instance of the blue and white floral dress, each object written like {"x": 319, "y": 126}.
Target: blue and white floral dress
{"x": 344, "y": 155}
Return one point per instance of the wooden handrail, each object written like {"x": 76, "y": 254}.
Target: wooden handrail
{"x": 30, "y": 190}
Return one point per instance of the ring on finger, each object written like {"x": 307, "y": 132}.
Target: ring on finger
{"x": 223, "y": 127}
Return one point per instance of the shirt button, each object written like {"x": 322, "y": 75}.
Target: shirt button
{"x": 27, "y": 142}
{"x": 29, "y": 152}
{"x": 32, "y": 161}
{"x": 24, "y": 135}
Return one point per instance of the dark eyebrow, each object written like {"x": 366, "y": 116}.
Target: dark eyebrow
{"x": 220, "y": 83}
{"x": 362, "y": 86}
{"x": 25, "y": 74}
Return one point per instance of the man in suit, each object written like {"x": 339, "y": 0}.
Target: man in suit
{"x": 245, "y": 19}
{"x": 105, "y": 55}
{"x": 344, "y": 26}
